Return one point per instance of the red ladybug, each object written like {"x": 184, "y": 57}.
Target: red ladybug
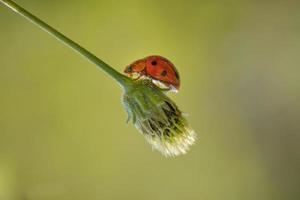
{"x": 157, "y": 68}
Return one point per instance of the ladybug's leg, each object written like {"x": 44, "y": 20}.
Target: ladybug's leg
{"x": 135, "y": 79}
{"x": 140, "y": 75}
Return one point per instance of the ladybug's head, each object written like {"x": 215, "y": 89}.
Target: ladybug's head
{"x": 137, "y": 67}
{"x": 129, "y": 69}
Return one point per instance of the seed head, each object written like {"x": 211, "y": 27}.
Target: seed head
{"x": 158, "y": 118}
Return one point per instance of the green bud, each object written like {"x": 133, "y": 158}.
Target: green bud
{"x": 157, "y": 117}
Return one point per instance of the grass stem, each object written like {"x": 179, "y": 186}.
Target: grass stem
{"x": 123, "y": 80}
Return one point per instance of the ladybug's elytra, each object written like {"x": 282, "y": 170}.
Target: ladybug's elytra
{"x": 157, "y": 68}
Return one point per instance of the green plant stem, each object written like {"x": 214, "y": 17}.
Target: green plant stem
{"x": 124, "y": 81}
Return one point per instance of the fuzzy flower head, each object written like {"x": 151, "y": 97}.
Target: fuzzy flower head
{"x": 157, "y": 117}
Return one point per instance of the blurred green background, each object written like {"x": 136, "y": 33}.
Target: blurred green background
{"x": 63, "y": 134}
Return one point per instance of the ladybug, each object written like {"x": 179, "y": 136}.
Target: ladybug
{"x": 157, "y": 68}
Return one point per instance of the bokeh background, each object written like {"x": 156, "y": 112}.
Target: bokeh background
{"x": 62, "y": 127}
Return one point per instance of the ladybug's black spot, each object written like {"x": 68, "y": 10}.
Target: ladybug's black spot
{"x": 163, "y": 73}
{"x": 154, "y": 62}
